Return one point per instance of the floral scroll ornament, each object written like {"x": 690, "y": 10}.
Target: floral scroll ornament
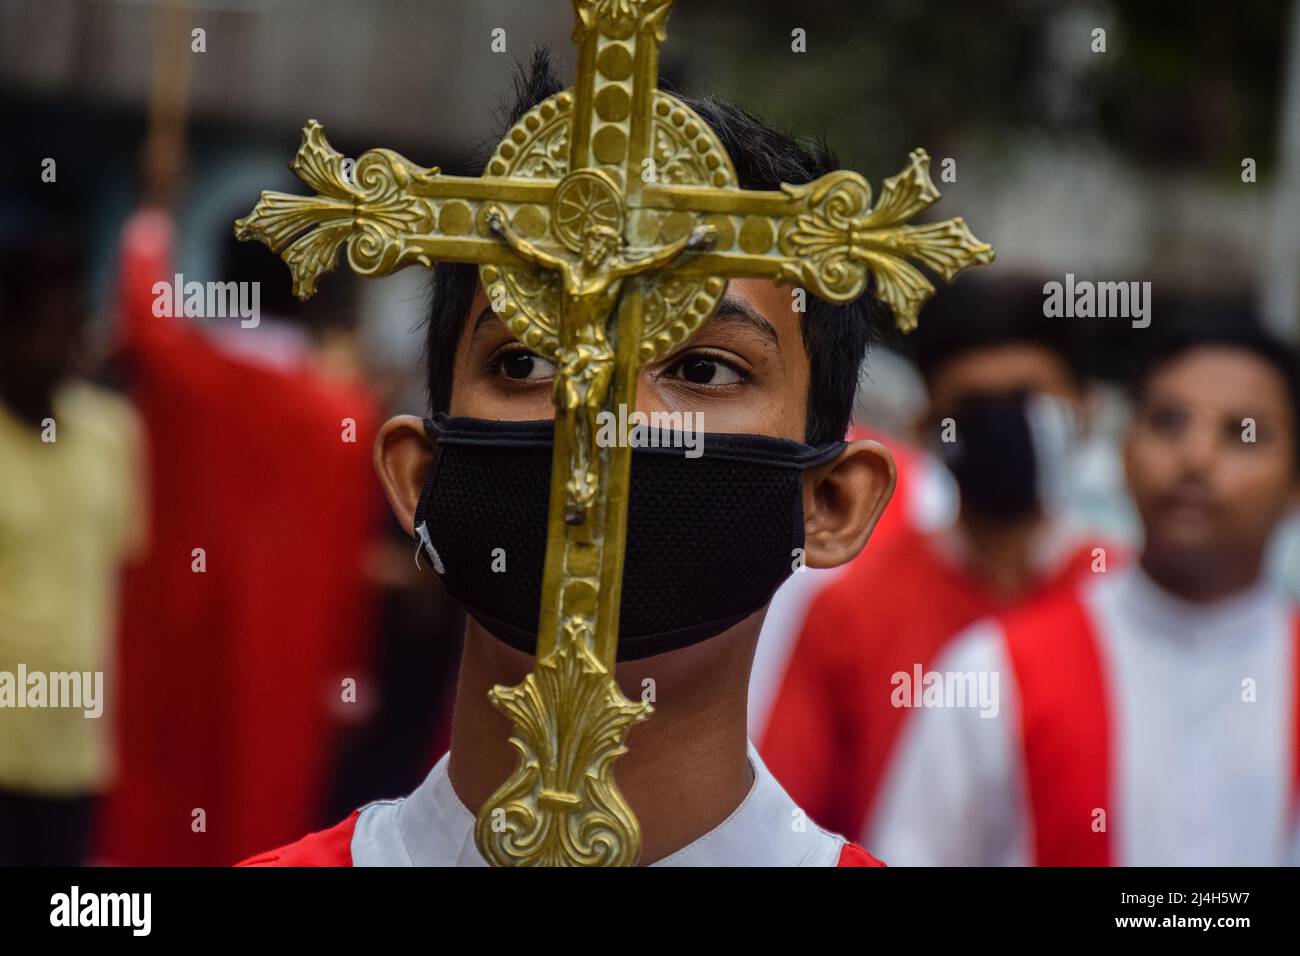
{"x": 564, "y": 807}
{"x": 645, "y": 14}
{"x": 370, "y": 211}
{"x": 839, "y": 240}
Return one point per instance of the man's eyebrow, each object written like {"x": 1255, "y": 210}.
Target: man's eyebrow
{"x": 731, "y": 310}
{"x": 483, "y": 318}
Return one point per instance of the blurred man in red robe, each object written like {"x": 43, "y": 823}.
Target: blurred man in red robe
{"x": 246, "y": 627}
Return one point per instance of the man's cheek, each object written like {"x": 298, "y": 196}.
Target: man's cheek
{"x": 1268, "y": 493}
{"x": 1147, "y": 468}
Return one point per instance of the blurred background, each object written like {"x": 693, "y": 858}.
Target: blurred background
{"x": 249, "y": 567}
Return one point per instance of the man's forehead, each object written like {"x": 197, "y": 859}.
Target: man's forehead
{"x": 1216, "y": 375}
{"x": 1001, "y": 366}
{"x": 744, "y": 307}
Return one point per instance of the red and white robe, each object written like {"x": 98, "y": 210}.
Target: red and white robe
{"x": 832, "y": 730}
{"x": 1131, "y": 728}
{"x": 431, "y": 827}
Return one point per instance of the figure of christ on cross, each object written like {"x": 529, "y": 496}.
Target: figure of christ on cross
{"x": 590, "y": 286}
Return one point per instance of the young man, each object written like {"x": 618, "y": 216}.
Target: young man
{"x": 1148, "y": 718}
{"x": 1002, "y": 396}
{"x": 757, "y": 368}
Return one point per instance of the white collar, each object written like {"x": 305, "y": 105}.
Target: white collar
{"x": 1160, "y": 615}
{"x": 431, "y": 827}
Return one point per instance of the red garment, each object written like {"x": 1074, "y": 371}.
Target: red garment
{"x": 833, "y": 726}
{"x": 1069, "y": 755}
{"x": 229, "y": 680}
{"x": 1067, "y": 759}
{"x": 333, "y": 847}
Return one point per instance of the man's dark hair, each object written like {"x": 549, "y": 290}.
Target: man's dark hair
{"x": 834, "y": 336}
{"x": 1220, "y": 326}
{"x": 978, "y": 312}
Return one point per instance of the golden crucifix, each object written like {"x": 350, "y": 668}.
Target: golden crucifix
{"x": 605, "y": 227}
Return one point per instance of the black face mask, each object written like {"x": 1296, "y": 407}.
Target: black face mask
{"x": 709, "y": 538}
{"x": 1008, "y": 456}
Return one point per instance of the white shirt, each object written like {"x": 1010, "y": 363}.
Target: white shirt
{"x": 1201, "y": 774}
{"x": 431, "y": 827}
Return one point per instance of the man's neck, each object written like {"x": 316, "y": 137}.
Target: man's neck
{"x": 1204, "y": 581}
{"x": 687, "y": 767}
{"x": 1001, "y": 552}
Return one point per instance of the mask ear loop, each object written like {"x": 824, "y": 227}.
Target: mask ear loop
{"x": 424, "y": 544}
{"x": 423, "y": 541}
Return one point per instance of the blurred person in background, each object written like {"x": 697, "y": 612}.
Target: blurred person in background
{"x": 1151, "y": 716}
{"x": 890, "y": 399}
{"x": 248, "y": 628}
{"x": 70, "y": 513}
{"x": 1004, "y": 405}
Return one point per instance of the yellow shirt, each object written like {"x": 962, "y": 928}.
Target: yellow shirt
{"x": 71, "y": 510}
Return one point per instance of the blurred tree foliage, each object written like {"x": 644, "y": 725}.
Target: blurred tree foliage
{"x": 1185, "y": 84}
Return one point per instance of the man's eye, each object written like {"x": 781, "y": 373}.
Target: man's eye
{"x": 1236, "y": 430}
{"x": 1167, "y": 421}
{"x": 521, "y": 364}
{"x": 703, "y": 370}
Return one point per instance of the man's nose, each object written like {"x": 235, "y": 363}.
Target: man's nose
{"x": 1199, "y": 447}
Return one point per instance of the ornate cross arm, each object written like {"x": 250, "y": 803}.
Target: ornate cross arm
{"x": 390, "y": 212}
{"x": 826, "y": 236}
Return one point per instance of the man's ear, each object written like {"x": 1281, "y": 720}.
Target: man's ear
{"x": 402, "y": 456}
{"x": 843, "y": 500}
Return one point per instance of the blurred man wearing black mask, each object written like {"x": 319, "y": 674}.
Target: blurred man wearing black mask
{"x": 1005, "y": 404}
